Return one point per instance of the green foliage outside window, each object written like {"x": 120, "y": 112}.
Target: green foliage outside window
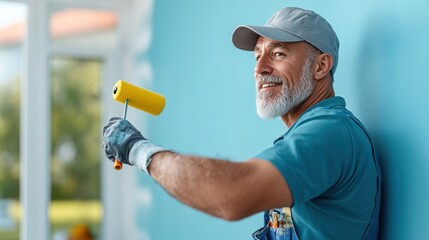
{"x": 9, "y": 139}
{"x": 75, "y": 132}
{"x": 76, "y": 129}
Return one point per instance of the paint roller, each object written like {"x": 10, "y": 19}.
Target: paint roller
{"x": 139, "y": 98}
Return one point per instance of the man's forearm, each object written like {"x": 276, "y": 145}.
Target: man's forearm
{"x": 201, "y": 183}
{"x": 229, "y": 190}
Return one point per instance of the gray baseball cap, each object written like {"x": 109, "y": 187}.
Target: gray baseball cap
{"x": 291, "y": 24}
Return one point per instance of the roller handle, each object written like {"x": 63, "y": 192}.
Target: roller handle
{"x": 118, "y": 165}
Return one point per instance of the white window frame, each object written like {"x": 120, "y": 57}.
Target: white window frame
{"x": 35, "y": 182}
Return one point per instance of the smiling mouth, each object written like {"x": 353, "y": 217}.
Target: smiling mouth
{"x": 268, "y": 85}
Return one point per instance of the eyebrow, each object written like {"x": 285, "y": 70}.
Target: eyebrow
{"x": 273, "y": 45}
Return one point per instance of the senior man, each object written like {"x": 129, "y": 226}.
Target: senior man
{"x": 319, "y": 180}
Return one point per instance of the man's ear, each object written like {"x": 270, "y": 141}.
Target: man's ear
{"x": 323, "y": 66}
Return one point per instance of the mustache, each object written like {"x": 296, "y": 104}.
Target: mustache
{"x": 269, "y": 78}
{"x": 266, "y": 78}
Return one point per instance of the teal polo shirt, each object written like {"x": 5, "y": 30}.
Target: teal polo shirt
{"x": 327, "y": 160}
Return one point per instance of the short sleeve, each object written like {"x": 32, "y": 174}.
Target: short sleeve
{"x": 312, "y": 156}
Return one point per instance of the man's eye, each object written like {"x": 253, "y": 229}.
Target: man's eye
{"x": 257, "y": 57}
{"x": 279, "y": 54}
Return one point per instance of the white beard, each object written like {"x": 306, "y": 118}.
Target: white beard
{"x": 268, "y": 106}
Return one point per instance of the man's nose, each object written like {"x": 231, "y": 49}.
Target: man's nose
{"x": 263, "y": 65}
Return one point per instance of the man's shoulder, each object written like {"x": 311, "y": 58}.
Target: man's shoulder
{"x": 324, "y": 117}
{"x": 334, "y": 124}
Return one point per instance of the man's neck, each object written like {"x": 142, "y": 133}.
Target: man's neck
{"x": 320, "y": 93}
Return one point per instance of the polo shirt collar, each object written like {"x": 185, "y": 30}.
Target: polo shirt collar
{"x": 326, "y": 103}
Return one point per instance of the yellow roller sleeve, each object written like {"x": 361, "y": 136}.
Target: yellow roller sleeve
{"x": 138, "y": 97}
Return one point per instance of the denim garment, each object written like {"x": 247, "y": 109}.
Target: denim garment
{"x": 269, "y": 233}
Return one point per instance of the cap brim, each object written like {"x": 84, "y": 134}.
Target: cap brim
{"x": 245, "y": 37}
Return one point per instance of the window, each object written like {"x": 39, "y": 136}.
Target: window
{"x": 48, "y": 48}
{"x": 50, "y": 131}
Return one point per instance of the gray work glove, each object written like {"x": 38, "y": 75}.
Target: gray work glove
{"x": 122, "y": 141}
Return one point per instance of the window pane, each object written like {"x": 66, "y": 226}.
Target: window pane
{"x": 75, "y": 146}
{"x": 12, "y": 21}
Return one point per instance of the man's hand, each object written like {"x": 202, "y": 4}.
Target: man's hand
{"x": 122, "y": 141}
{"x": 119, "y": 136}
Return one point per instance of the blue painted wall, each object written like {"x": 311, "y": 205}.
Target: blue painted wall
{"x": 210, "y": 101}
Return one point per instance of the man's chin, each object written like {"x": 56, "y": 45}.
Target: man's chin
{"x": 265, "y": 112}
{"x": 264, "y": 116}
